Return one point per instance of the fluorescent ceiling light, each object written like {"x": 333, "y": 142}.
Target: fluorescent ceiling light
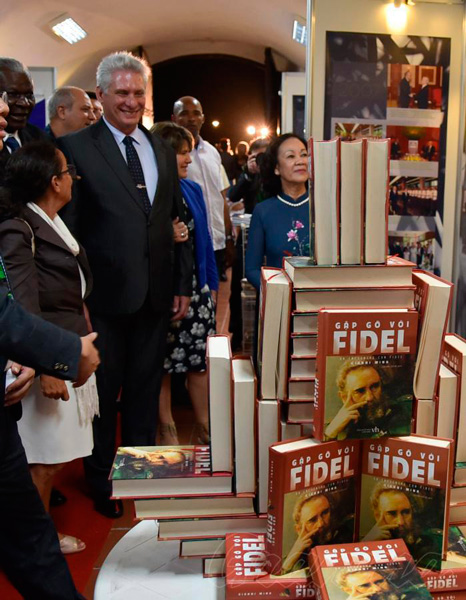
{"x": 65, "y": 27}
{"x": 299, "y": 32}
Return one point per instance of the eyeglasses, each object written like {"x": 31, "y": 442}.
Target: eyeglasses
{"x": 14, "y": 97}
{"x": 71, "y": 170}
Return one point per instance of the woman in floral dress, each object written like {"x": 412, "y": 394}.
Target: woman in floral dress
{"x": 187, "y": 339}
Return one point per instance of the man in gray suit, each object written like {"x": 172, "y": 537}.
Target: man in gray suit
{"x": 122, "y": 213}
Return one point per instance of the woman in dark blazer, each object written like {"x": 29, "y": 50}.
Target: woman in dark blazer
{"x": 187, "y": 338}
{"x": 50, "y": 276}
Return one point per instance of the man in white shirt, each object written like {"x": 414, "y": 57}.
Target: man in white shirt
{"x": 206, "y": 170}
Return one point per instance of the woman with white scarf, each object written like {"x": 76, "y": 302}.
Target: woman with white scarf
{"x": 50, "y": 276}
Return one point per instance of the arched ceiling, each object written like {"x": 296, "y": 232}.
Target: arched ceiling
{"x": 165, "y": 29}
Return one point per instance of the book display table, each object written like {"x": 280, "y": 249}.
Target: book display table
{"x": 141, "y": 567}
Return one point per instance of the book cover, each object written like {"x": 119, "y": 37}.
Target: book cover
{"x": 405, "y": 494}
{"x": 452, "y": 595}
{"x": 433, "y": 301}
{"x": 166, "y": 471}
{"x": 374, "y": 570}
{"x": 304, "y": 274}
{"x": 365, "y": 369}
{"x": 311, "y": 501}
{"x": 452, "y": 575}
{"x": 246, "y": 575}
{"x": 161, "y": 462}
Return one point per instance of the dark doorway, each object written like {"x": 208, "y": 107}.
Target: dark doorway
{"x": 231, "y": 90}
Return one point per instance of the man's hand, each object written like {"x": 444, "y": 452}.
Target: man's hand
{"x": 180, "y": 307}
{"x": 378, "y": 532}
{"x": 252, "y": 164}
{"x": 180, "y": 231}
{"x": 54, "y": 388}
{"x": 302, "y": 543}
{"x": 230, "y": 252}
{"x": 16, "y": 391}
{"x": 89, "y": 359}
{"x": 348, "y": 412}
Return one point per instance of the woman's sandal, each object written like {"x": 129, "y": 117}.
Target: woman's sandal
{"x": 70, "y": 544}
{"x": 168, "y": 436}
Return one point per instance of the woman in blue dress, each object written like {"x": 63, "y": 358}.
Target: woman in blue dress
{"x": 186, "y": 342}
{"x": 280, "y": 224}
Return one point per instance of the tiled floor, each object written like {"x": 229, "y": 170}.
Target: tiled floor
{"x": 184, "y": 421}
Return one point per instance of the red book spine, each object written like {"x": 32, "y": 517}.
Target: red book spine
{"x": 273, "y": 538}
{"x": 319, "y": 394}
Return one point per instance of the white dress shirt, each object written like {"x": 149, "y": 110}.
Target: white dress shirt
{"x": 206, "y": 170}
{"x": 146, "y": 155}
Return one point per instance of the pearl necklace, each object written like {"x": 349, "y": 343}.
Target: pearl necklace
{"x": 293, "y": 203}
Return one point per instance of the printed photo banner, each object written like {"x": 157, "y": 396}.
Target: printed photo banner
{"x": 377, "y": 86}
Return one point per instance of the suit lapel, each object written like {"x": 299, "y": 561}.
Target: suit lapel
{"x": 107, "y": 146}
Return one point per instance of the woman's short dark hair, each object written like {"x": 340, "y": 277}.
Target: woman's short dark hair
{"x": 27, "y": 176}
{"x": 174, "y": 134}
{"x": 270, "y": 181}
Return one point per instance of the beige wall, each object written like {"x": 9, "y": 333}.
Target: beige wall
{"x": 368, "y": 16}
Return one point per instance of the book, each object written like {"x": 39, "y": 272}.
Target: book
{"x": 300, "y": 412}
{"x": 218, "y": 356}
{"x": 209, "y": 528}
{"x": 305, "y": 275}
{"x": 303, "y": 345}
{"x": 284, "y": 344}
{"x": 268, "y": 433}
{"x": 202, "y": 548}
{"x": 289, "y": 431}
{"x": 405, "y": 494}
{"x": 352, "y": 201}
{"x": 447, "y": 403}
{"x": 275, "y": 296}
{"x": 457, "y": 512}
{"x": 304, "y": 322}
{"x": 213, "y": 566}
{"x": 193, "y": 508}
{"x": 325, "y": 199}
{"x": 373, "y": 571}
{"x": 376, "y": 201}
{"x": 311, "y": 501}
{"x": 301, "y": 389}
{"x": 425, "y": 417}
{"x": 452, "y": 575}
{"x": 365, "y": 368}
{"x": 457, "y": 495}
{"x": 244, "y": 401}
{"x": 166, "y": 471}
{"x": 433, "y": 301}
{"x": 394, "y": 297}
{"x": 454, "y": 356}
{"x": 302, "y": 366}
{"x": 246, "y": 574}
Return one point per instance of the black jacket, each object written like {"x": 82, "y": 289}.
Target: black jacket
{"x": 131, "y": 255}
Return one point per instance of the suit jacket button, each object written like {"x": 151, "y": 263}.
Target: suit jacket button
{"x": 56, "y": 366}
{"x": 65, "y": 368}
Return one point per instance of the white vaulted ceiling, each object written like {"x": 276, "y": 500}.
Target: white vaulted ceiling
{"x": 165, "y": 28}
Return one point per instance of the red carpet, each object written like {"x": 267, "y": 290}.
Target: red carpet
{"x": 76, "y": 517}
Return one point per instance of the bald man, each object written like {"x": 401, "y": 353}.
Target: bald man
{"x": 70, "y": 109}
{"x": 206, "y": 169}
